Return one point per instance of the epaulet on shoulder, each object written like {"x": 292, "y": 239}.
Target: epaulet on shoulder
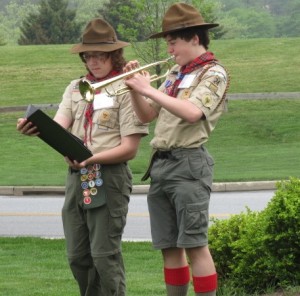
{"x": 217, "y": 63}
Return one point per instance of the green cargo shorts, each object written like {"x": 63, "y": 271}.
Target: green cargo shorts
{"x": 178, "y": 198}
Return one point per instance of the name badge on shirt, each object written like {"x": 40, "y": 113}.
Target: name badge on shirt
{"x": 102, "y": 101}
{"x": 187, "y": 81}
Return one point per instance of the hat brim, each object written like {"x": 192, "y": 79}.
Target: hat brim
{"x": 204, "y": 26}
{"x": 105, "y": 47}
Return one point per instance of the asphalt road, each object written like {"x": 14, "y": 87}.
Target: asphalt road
{"x": 40, "y": 216}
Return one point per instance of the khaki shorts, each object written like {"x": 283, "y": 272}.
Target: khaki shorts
{"x": 178, "y": 198}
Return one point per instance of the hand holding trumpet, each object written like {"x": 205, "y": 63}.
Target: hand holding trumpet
{"x": 139, "y": 81}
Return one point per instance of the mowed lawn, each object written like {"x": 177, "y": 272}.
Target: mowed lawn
{"x": 255, "y": 140}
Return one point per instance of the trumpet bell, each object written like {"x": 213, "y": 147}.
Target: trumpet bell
{"x": 86, "y": 90}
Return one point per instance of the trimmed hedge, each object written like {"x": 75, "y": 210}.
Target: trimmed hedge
{"x": 259, "y": 250}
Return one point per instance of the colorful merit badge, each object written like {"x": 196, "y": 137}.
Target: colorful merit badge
{"x": 90, "y": 180}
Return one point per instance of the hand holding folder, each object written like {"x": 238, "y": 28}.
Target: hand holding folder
{"x": 56, "y": 136}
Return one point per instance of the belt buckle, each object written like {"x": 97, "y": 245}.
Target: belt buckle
{"x": 164, "y": 154}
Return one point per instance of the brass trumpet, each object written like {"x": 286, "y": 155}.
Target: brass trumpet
{"x": 88, "y": 89}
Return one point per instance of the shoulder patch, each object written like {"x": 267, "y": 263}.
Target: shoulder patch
{"x": 207, "y": 100}
{"x": 218, "y": 75}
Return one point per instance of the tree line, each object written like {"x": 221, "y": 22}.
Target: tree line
{"x": 61, "y": 21}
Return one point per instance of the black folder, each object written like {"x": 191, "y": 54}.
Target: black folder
{"x": 56, "y": 136}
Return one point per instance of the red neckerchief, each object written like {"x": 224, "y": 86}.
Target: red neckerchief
{"x": 88, "y": 123}
{"x": 200, "y": 61}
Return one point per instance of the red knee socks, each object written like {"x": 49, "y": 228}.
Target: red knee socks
{"x": 177, "y": 276}
{"x": 204, "y": 284}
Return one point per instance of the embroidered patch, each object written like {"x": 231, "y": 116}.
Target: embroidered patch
{"x": 207, "y": 100}
{"x": 211, "y": 86}
{"x": 104, "y": 116}
{"x": 217, "y": 80}
{"x": 218, "y": 74}
{"x": 84, "y": 178}
{"x": 87, "y": 200}
{"x": 168, "y": 83}
{"x": 186, "y": 94}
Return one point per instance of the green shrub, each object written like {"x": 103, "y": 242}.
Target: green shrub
{"x": 223, "y": 234}
{"x": 283, "y": 231}
{"x": 259, "y": 250}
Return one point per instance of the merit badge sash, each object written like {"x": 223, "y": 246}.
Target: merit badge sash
{"x": 93, "y": 191}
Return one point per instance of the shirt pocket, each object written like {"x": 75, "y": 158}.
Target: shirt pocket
{"x": 108, "y": 117}
{"x": 78, "y": 105}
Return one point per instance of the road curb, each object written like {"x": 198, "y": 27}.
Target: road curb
{"x": 137, "y": 189}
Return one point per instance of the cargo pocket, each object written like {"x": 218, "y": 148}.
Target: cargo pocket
{"x": 117, "y": 221}
{"x": 196, "y": 218}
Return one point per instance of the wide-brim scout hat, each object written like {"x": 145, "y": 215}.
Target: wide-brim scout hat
{"x": 181, "y": 16}
{"x": 98, "y": 36}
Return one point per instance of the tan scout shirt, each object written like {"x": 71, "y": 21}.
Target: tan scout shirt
{"x": 115, "y": 118}
{"x": 205, "y": 91}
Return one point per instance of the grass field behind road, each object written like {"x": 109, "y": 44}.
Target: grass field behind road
{"x": 39, "y": 74}
{"x": 255, "y": 140}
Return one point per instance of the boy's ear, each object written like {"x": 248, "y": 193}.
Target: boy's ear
{"x": 195, "y": 40}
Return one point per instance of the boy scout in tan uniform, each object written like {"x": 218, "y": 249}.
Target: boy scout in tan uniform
{"x": 98, "y": 189}
{"x": 187, "y": 107}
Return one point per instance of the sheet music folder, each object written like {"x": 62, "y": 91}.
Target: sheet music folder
{"x": 56, "y": 136}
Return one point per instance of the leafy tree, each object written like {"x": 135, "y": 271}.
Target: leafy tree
{"x": 2, "y": 41}
{"x": 11, "y": 18}
{"x": 277, "y": 8}
{"x": 256, "y": 24}
{"x": 211, "y": 11}
{"x": 116, "y": 12}
{"x": 4, "y": 3}
{"x": 54, "y": 24}
{"x": 288, "y": 22}
{"x": 86, "y": 10}
{"x": 233, "y": 28}
{"x": 282, "y": 19}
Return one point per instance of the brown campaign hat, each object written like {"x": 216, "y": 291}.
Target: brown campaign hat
{"x": 181, "y": 16}
{"x": 98, "y": 36}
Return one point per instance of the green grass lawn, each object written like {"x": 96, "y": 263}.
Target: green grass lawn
{"x": 35, "y": 267}
{"x": 255, "y": 140}
{"x": 39, "y": 74}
